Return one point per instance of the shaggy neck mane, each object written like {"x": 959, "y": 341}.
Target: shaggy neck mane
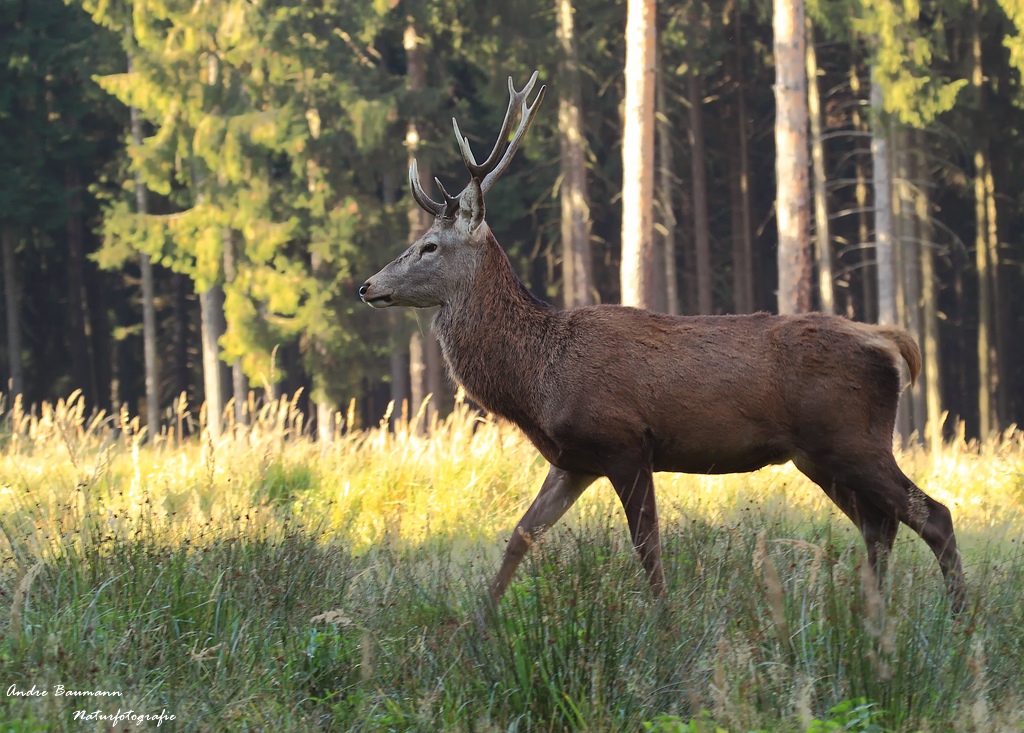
{"x": 492, "y": 338}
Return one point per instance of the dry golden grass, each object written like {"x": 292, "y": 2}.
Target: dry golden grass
{"x": 469, "y": 478}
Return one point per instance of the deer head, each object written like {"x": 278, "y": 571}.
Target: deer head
{"x": 439, "y": 264}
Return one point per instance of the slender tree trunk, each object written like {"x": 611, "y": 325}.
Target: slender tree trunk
{"x": 743, "y": 240}
{"x": 180, "y": 344}
{"x": 83, "y": 373}
{"x": 638, "y": 251}
{"x": 793, "y": 198}
{"x": 986, "y": 335}
{"x": 867, "y": 266}
{"x": 932, "y": 386}
{"x": 666, "y": 199}
{"x": 398, "y": 338}
{"x": 428, "y": 351}
{"x": 885, "y": 261}
{"x": 822, "y": 240}
{"x": 239, "y": 382}
{"x": 577, "y": 275}
{"x": 1001, "y": 385}
{"x": 149, "y": 353}
{"x": 211, "y": 305}
{"x": 688, "y": 299}
{"x": 987, "y": 422}
{"x": 907, "y": 286}
{"x": 12, "y": 304}
{"x": 698, "y": 167}
{"x": 417, "y": 379}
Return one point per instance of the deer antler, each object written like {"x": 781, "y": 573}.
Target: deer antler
{"x": 491, "y": 169}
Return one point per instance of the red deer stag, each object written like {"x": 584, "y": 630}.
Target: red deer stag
{"x": 620, "y": 392}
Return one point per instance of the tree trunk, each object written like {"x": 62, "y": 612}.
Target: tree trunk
{"x": 181, "y": 377}
{"x": 83, "y": 373}
{"x": 743, "y": 240}
{"x": 577, "y": 275}
{"x": 867, "y": 266}
{"x": 666, "y": 199}
{"x": 822, "y": 240}
{"x": 12, "y": 298}
{"x": 983, "y": 226}
{"x": 148, "y": 295}
{"x": 698, "y": 168}
{"x": 428, "y": 351}
{"x": 638, "y": 253}
{"x": 211, "y": 304}
{"x": 239, "y": 382}
{"x": 417, "y": 380}
{"x": 932, "y": 386}
{"x": 882, "y": 184}
{"x": 1001, "y": 383}
{"x": 793, "y": 197}
{"x": 907, "y": 286}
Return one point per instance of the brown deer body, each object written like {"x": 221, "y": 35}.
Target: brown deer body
{"x": 621, "y": 392}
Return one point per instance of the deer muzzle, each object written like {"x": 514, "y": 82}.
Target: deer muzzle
{"x": 372, "y": 298}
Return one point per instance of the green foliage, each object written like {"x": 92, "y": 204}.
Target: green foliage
{"x": 854, "y": 716}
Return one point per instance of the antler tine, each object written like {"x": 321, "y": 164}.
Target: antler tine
{"x": 481, "y": 171}
{"x": 528, "y": 113}
{"x": 451, "y": 202}
{"x": 426, "y": 203}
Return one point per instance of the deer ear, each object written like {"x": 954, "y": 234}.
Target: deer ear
{"x": 471, "y": 206}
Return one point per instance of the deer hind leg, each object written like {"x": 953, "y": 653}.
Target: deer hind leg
{"x": 877, "y": 527}
{"x": 635, "y": 487}
{"x": 887, "y": 494}
{"x": 559, "y": 491}
{"x": 932, "y": 520}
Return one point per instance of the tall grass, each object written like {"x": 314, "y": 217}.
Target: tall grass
{"x": 266, "y": 581}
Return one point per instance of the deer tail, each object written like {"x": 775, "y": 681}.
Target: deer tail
{"x": 908, "y": 349}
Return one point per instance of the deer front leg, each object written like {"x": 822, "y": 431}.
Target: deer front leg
{"x": 635, "y": 487}
{"x": 559, "y": 491}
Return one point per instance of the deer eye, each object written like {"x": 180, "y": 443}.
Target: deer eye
{"x": 431, "y": 247}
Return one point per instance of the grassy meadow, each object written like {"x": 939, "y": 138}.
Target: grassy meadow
{"x": 267, "y": 582}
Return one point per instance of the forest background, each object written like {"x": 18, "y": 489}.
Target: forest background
{"x": 192, "y": 191}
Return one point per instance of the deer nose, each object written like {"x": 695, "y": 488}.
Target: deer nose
{"x": 362, "y": 290}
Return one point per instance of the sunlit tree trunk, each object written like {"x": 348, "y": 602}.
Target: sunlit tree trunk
{"x": 867, "y": 266}
{"x": 425, "y": 368}
{"x": 239, "y": 382}
{"x": 211, "y": 306}
{"x": 907, "y": 288}
{"x": 638, "y": 251}
{"x": 1001, "y": 387}
{"x": 12, "y": 299}
{"x": 932, "y": 381}
{"x": 983, "y": 226}
{"x": 822, "y": 240}
{"x": 885, "y": 261}
{"x": 577, "y": 277}
{"x": 793, "y": 191}
{"x": 149, "y": 356}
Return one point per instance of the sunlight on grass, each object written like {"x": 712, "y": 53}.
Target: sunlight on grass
{"x": 468, "y": 480}
{"x": 267, "y": 581}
